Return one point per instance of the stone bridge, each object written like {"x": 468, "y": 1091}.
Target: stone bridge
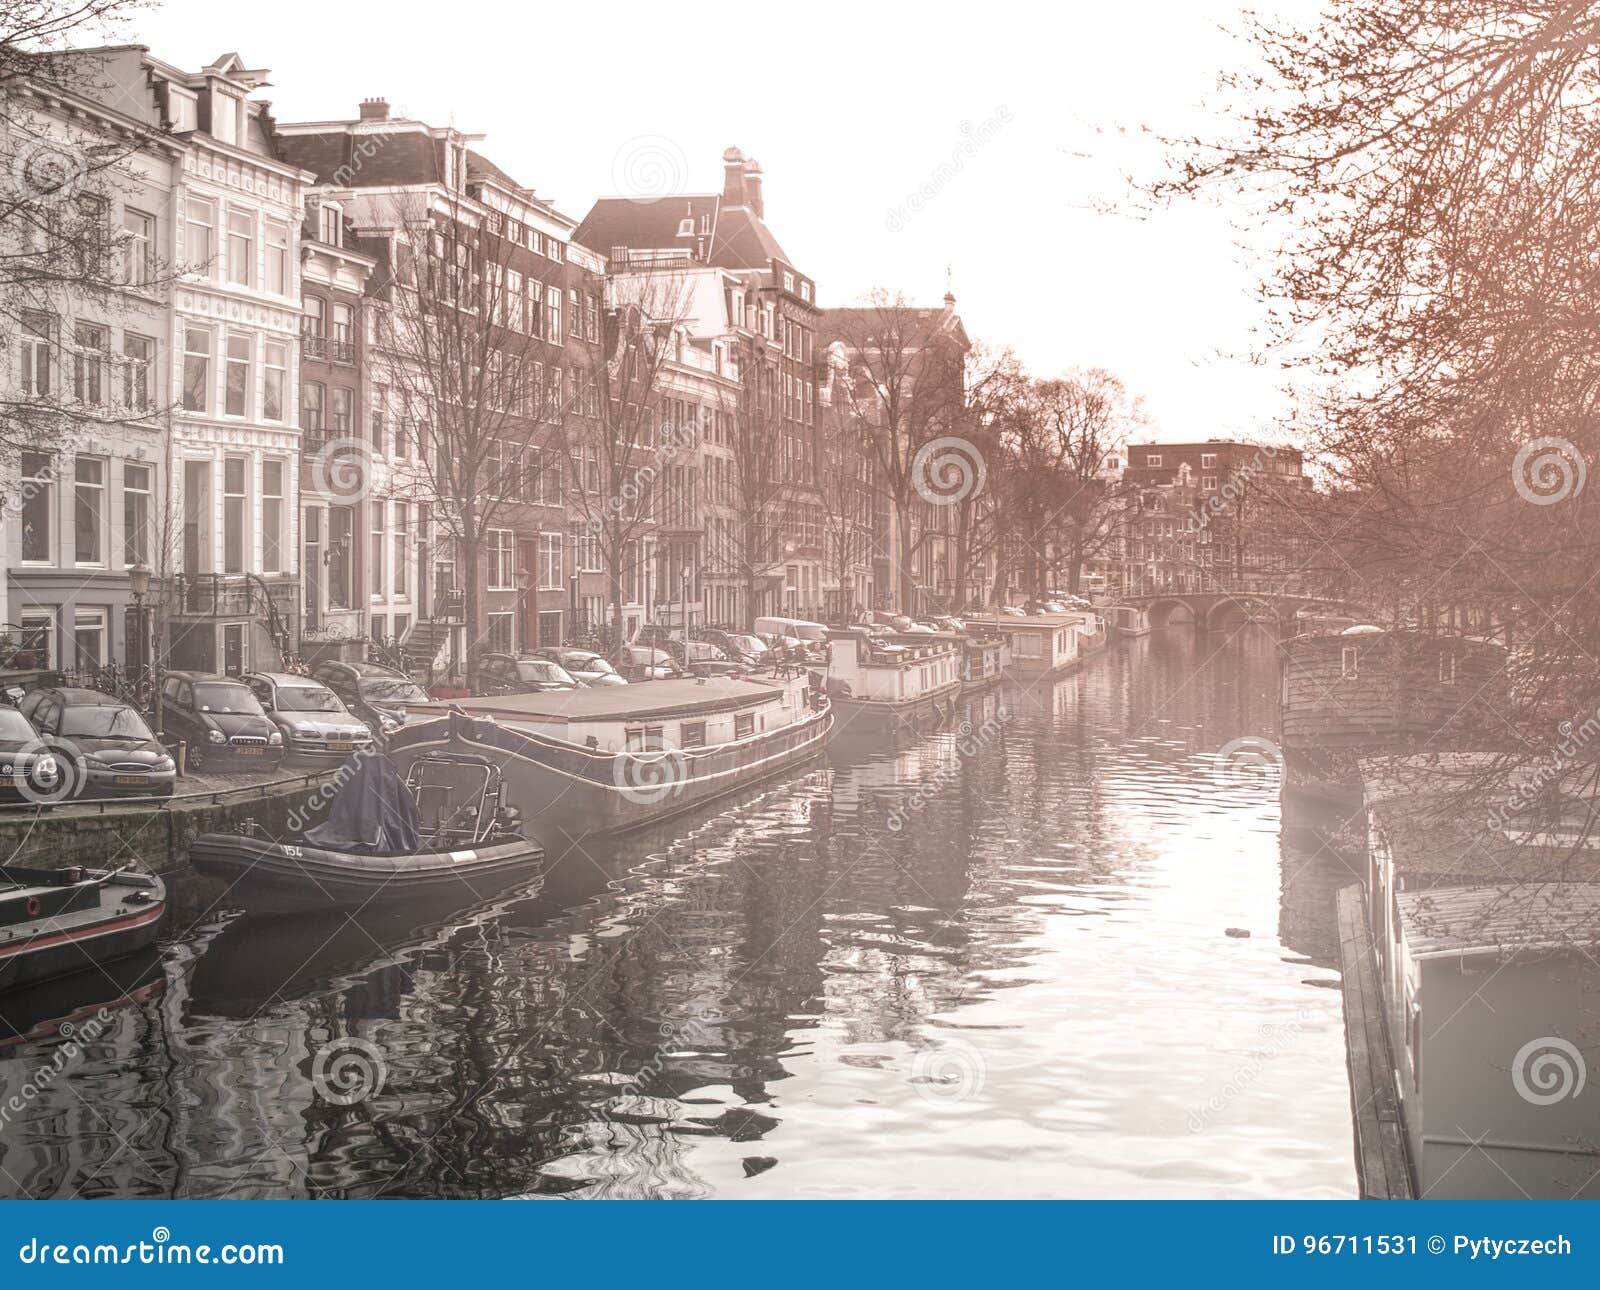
{"x": 1218, "y": 608}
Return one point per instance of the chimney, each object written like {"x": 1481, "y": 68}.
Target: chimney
{"x": 752, "y": 186}
{"x": 949, "y": 300}
{"x": 733, "y": 177}
{"x": 374, "y": 109}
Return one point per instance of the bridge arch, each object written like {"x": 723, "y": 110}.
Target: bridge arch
{"x": 1164, "y": 610}
{"x": 1243, "y": 609}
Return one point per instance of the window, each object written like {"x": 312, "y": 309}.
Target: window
{"x": 1207, "y": 460}
{"x": 692, "y": 734}
{"x": 196, "y": 369}
{"x": 224, "y": 117}
{"x": 89, "y": 510}
{"x": 236, "y": 401}
{"x": 274, "y": 364}
{"x": 38, "y": 478}
{"x": 744, "y": 725}
{"x": 35, "y": 353}
{"x": 343, "y": 333}
{"x": 535, "y": 308}
{"x": 502, "y": 560}
{"x": 329, "y": 228}
{"x": 591, "y": 317}
{"x": 272, "y": 544}
{"x": 341, "y": 523}
{"x": 89, "y": 637}
{"x": 402, "y": 547}
{"x": 1208, "y": 483}
{"x": 1349, "y": 658}
{"x": 549, "y": 560}
{"x": 200, "y": 247}
{"x": 375, "y": 552}
{"x": 314, "y": 327}
{"x": 344, "y": 410}
{"x": 1152, "y": 459}
{"x": 135, "y": 514}
{"x": 552, "y": 324}
{"x": 574, "y": 313}
{"x": 139, "y": 249}
{"x": 241, "y": 247}
{"x": 138, "y": 370}
{"x": 233, "y": 514}
{"x": 89, "y": 363}
{"x": 311, "y": 394}
{"x": 1447, "y": 669}
{"x": 500, "y": 632}
{"x": 182, "y": 107}
{"x": 278, "y": 277}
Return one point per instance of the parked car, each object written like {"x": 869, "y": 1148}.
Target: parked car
{"x": 741, "y": 647}
{"x": 221, "y": 721}
{"x": 380, "y": 696}
{"x": 99, "y": 743}
{"x": 584, "y": 666}
{"x": 315, "y": 724}
{"x": 801, "y": 629}
{"x": 521, "y": 674}
{"x": 702, "y": 658}
{"x": 947, "y": 623}
{"x": 28, "y": 769}
{"x": 644, "y": 663}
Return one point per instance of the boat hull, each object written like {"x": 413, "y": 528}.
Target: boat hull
{"x": 67, "y": 941}
{"x": 566, "y": 792}
{"x": 272, "y": 877}
{"x": 921, "y": 713}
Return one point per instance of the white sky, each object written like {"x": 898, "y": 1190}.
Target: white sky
{"x": 850, "y": 108}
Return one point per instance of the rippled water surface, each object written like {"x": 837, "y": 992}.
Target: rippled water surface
{"x": 992, "y": 961}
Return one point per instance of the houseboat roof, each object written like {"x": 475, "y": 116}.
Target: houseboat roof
{"x": 1431, "y": 811}
{"x": 644, "y": 700}
{"x": 1500, "y": 918}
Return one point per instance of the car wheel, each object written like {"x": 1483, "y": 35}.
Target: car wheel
{"x": 196, "y": 759}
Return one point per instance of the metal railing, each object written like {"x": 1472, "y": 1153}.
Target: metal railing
{"x": 151, "y": 803}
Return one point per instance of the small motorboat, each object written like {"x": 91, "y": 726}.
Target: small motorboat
{"x": 55, "y": 922}
{"x": 444, "y": 831}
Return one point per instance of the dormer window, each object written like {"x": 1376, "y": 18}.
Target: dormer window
{"x": 328, "y": 224}
{"x": 227, "y": 117}
{"x": 182, "y": 108}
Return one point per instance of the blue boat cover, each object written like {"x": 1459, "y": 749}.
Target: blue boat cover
{"x": 373, "y": 810}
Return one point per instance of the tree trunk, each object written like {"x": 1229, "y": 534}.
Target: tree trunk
{"x": 471, "y": 605}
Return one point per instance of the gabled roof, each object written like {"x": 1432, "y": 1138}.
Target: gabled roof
{"x": 920, "y": 326}
{"x": 739, "y": 238}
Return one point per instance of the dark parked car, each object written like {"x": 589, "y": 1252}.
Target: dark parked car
{"x": 28, "y": 769}
{"x": 642, "y": 663}
{"x": 221, "y": 721}
{"x": 315, "y": 724}
{"x": 521, "y": 674}
{"x": 101, "y": 744}
{"x": 380, "y": 696}
{"x": 584, "y": 666}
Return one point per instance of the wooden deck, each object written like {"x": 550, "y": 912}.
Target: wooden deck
{"x": 1382, "y": 1161}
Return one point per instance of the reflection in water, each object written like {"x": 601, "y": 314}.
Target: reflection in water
{"x": 990, "y": 960}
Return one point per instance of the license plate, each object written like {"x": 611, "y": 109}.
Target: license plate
{"x": 132, "y": 779}
{"x": 342, "y": 747}
{"x": 248, "y": 752}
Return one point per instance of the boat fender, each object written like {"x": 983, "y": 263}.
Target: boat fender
{"x": 31, "y": 905}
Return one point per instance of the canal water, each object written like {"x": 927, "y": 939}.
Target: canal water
{"x": 1067, "y": 947}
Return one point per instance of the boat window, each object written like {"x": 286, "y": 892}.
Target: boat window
{"x": 215, "y": 696}
{"x": 108, "y": 721}
{"x": 744, "y": 725}
{"x": 1348, "y": 657}
{"x": 692, "y": 734}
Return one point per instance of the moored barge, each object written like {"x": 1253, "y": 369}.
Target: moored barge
{"x": 620, "y": 758}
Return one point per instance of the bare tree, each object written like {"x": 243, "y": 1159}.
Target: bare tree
{"x": 451, "y": 342}
{"x": 612, "y": 433}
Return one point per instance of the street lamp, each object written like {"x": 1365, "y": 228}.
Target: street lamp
{"x": 139, "y": 585}
{"x": 572, "y": 618}
{"x": 524, "y": 586}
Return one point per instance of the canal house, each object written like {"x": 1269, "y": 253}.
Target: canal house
{"x": 1366, "y": 692}
{"x": 1487, "y": 949}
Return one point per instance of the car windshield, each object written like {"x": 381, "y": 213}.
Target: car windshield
{"x": 654, "y": 657}
{"x": 748, "y": 644}
{"x": 811, "y": 631}
{"x": 306, "y": 698}
{"x": 587, "y": 663}
{"x": 534, "y": 669}
{"x": 13, "y": 725}
{"x": 216, "y": 697}
{"x": 386, "y": 689}
{"x": 107, "y": 721}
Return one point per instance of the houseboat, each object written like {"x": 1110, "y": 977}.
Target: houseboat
{"x": 874, "y": 682}
{"x": 1366, "y": 692}
{"x": 1128, "y": 620}
{"x": 982, "y": 664}
{"x": 618, "y": 758}
{"x": 1045, "y": 643}
{"x": 1484, "y": 945}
